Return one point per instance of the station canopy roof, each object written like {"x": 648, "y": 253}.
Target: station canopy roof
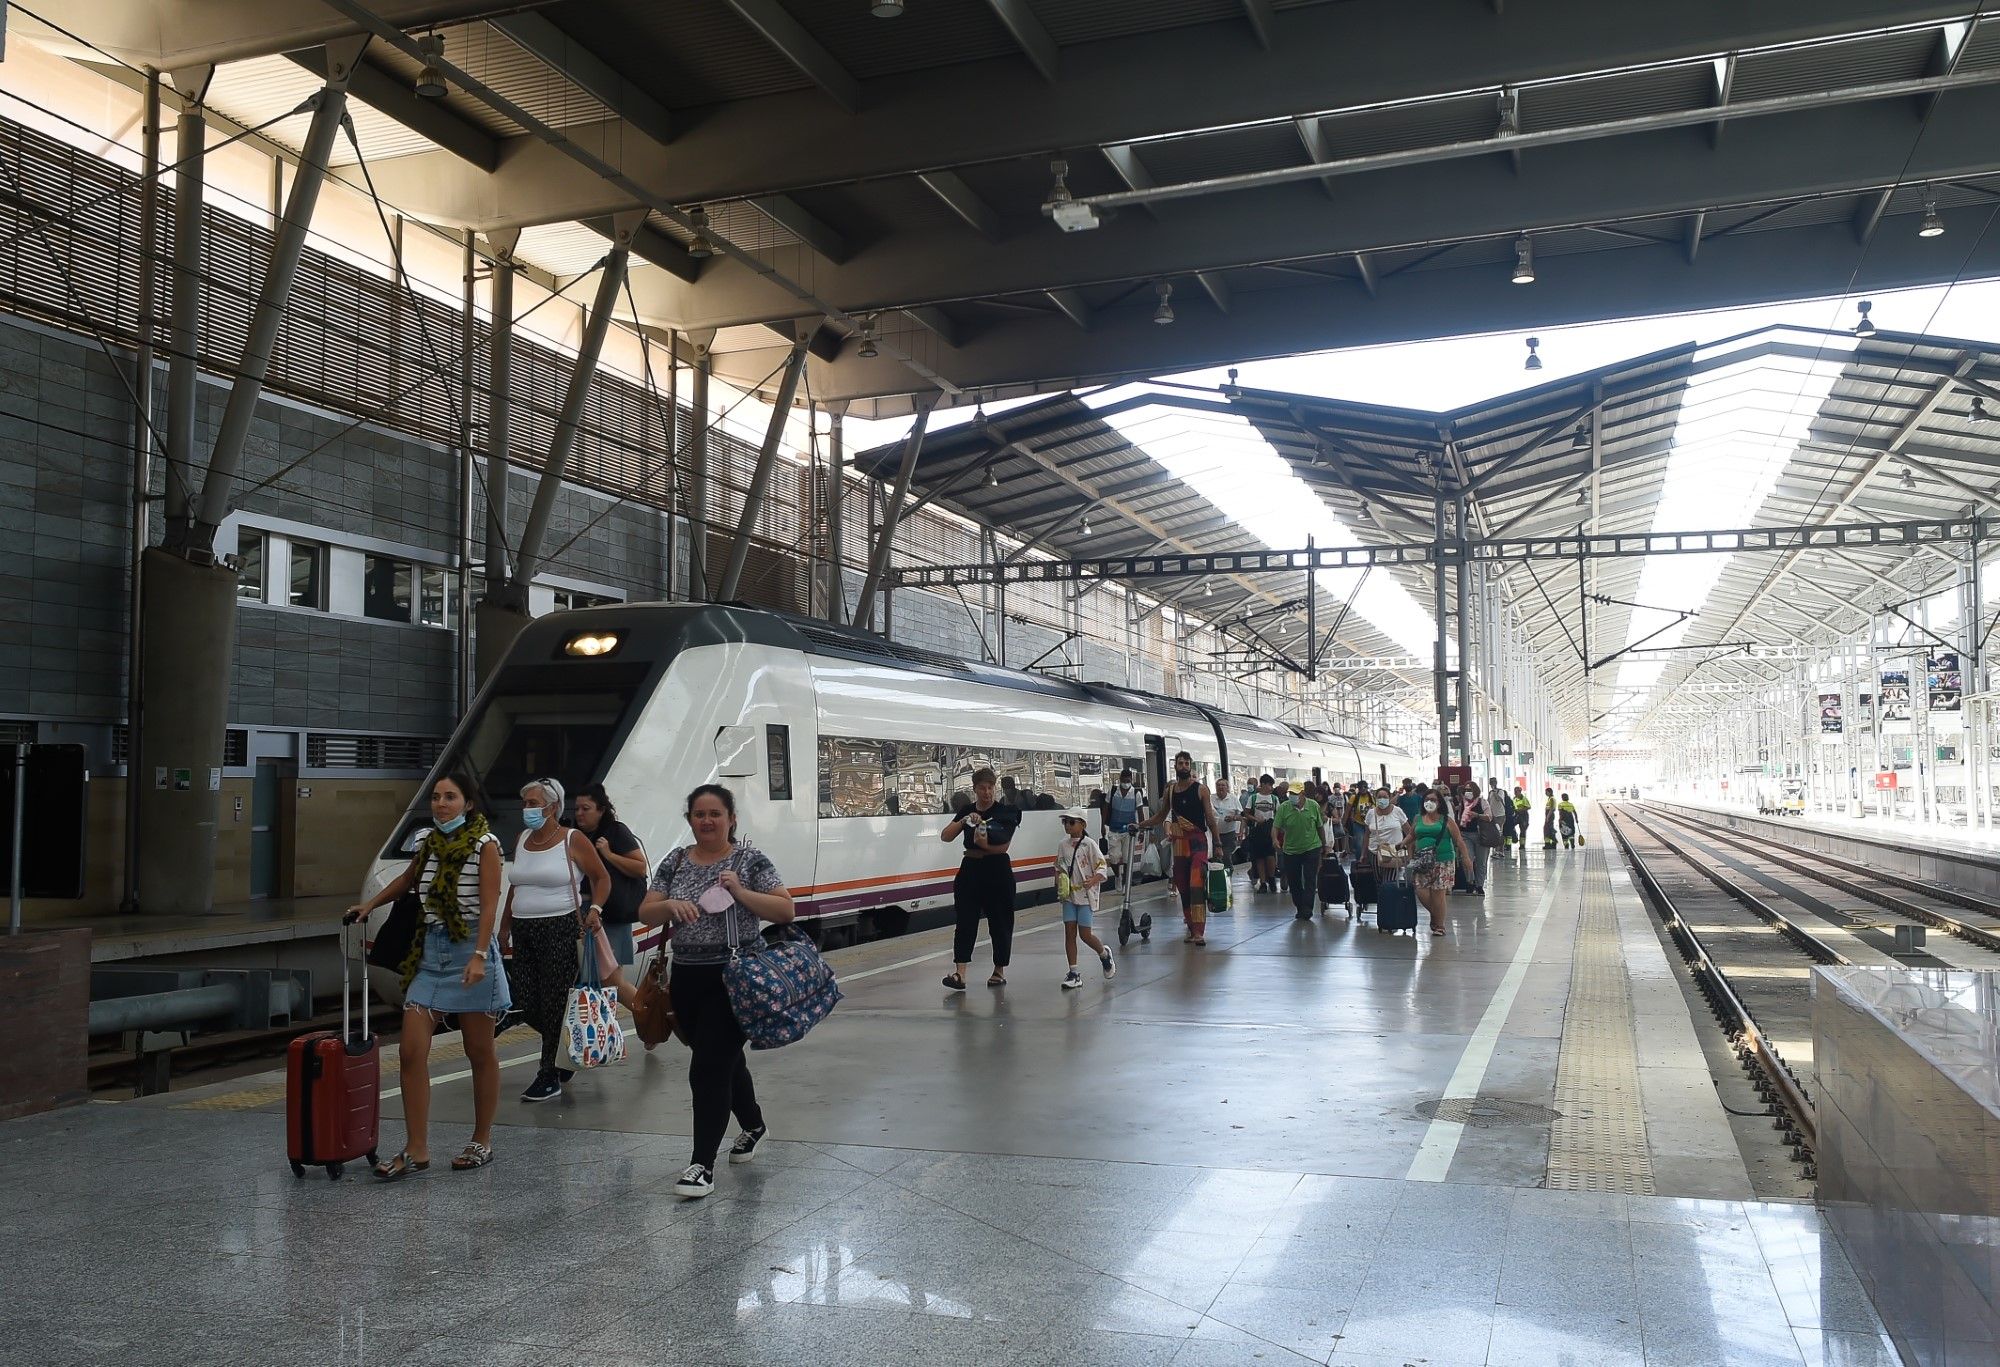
{"x": 1277, "y": 176}
{"x": 1784, "y": 427}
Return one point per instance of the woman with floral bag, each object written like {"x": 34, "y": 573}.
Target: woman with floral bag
{"x": 715, "y": 892}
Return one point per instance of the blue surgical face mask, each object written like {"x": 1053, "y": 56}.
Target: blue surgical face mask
{"x": 533, "y": 818}
{"x": 447, "y": 827}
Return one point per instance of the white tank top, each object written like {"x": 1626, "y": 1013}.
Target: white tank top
{"x": 544, "y": 881}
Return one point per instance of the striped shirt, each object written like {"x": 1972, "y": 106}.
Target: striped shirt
{"x": 468, "y": 878}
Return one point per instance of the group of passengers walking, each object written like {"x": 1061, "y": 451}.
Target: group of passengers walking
{"x": 569, "y": 887}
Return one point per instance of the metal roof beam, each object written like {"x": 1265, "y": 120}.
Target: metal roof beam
{"x": 1030, "y": 35}
{"x": 805, "y": 225}
{"x": 964, "y": 201}
{"x": 1261, "y": 19}
{"x": 775, "y": 24}
{"x": 432, "y": 119}
{"x": 1073, "y": 307}
{"x": 564, "y": 55}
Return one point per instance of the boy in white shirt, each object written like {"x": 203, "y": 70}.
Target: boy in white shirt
{"x": 1079, "y": 874}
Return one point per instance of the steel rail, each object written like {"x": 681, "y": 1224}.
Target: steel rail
{"x": 1951, "y": 925}
{"x": 1716, "y": 985}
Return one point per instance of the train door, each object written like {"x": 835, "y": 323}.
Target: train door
{"x": 264, "y": 805}
{"x": 1156, "y": 765}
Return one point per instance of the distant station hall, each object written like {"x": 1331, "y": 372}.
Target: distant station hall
{"x": 804, "y": 682}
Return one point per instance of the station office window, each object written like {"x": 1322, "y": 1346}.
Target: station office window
{"x": 307, "y": 585}
{"x": 434, "y": 599}
{"x": 250, "y": 566}
{"x": 385, "y": 589}
{"x": 568, "y": 599}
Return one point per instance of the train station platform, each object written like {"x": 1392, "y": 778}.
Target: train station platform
{"x": 1974, "y": 843}
{"x": 1307, "y": 1142}
{"x": 266, "y": 926}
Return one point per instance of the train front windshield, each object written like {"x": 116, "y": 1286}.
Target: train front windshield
{"x": 525, "y": 732}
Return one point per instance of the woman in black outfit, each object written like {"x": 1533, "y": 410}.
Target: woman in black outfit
{"x": 625, "y": 860}
{"x": 700, "y": 890}
{"x": 985, "y": 882}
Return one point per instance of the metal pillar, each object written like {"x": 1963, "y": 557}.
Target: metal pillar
{"x": 16, "y": 826}
{"x": 342, "y": 56}
{"x": 1312, "y": 614}
{"x": 760, "y": 476}
{"x": 184, "y": 329}
{"x": 836, "y": 504}
{"x": 570, "y": 418}
{"x": 1465, "y": 732}
{"x": 1440, "y": 680}
{"x": 142, "y": 483}
{"x": 499, "y": 408}
{"x": 700, "y": 367}
{"x": 670, "y": 440}
{"x": 878, "y": 558}
{"x": 468, "y": 330}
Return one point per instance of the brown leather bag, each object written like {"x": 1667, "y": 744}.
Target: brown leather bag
{"x": 653, "y": 1014}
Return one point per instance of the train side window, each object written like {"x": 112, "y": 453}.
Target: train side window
{"x": 851, "y": 776}
{"x": 778, "y": 761}
{"x": 1059, "y": 780}
{"x": 966, "y": 760}
{"x": 1017, "y": 777}
{"x": 916, "y": 778}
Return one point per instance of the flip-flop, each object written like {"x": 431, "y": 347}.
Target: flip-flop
{"x": 473, "y": 1155}
{"x": 399, "y": 1167}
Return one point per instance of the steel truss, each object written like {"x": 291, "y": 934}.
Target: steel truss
{"x": 1505, "y": 550}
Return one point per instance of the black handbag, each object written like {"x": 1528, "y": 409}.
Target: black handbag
{"x": 391, "y": 946}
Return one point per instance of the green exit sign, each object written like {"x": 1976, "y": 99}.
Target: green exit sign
{"x": 1503, "y": 747}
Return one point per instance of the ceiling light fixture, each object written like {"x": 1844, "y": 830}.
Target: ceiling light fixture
{"x": 1070, "y": 216}
{"x": 1164, "y": 314}
{"x": 993, "y": 477}
{"x": 886, "y": 9}
{"x": 1534, "y": 357}
{"x": 1909, "y": 480}
{"x": 1510, "y": 113}
{"x": 1866, "y": 327}
{"x": 701, "y": 246}
{"x": 1086, "y": 524}
{"x": 868, "y": 350}
{"x": 1933, "y": 226}
{"x": 1208, "y": 590}
{"x": 1524, "y": 261}
{"x": 1582, "y": 497}
{"x": 1580, "y": 439}
{"x": 430, "y": 81}
{"x": 1979, "y": 413}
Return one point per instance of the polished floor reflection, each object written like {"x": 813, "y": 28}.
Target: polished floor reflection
{"x": 1216, "y": 1158}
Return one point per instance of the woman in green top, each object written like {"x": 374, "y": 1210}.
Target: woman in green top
{"x": 1297, "y": 830}
{"x": 1440, "y": 848}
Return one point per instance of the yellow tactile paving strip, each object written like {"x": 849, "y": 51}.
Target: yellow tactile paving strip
{"x": 1598, "y": 1142}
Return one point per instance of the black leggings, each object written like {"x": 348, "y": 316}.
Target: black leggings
{"x": 718, "y": 1075}
{"x": 984, "y": 887}
{"x": 541, "y": 973}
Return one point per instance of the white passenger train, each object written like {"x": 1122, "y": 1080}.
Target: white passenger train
{"x": 845, "y": 752}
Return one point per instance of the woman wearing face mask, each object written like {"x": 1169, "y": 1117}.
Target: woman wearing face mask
{"x": 1471, "y": 812}
{"x": 1438, "y": 848}
{"x": 454, "y": 968}
{"x": 544, "y": 920}
{"x": 1388, "y": 832}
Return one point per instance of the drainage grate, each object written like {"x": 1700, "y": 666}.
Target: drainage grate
{"x": 1485, "y": 1112}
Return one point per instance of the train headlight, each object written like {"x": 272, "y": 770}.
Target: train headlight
{"x": 592, "y": 644}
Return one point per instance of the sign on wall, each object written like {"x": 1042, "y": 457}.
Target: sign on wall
{"x": 1947, "y": 685}
{"x": 1829, "y": 714}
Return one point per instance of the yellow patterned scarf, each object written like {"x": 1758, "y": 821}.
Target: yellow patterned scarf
{"x": 446, "y": 854}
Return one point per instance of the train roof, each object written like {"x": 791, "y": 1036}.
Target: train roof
{"x": 672, "y": 627}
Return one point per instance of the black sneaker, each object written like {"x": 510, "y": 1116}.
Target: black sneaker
{"x": 565, "y": 1074}
{"x": 543, "y": 1088}
{"x": 745, "y": 1147}
{"x": 697, "y": 1182}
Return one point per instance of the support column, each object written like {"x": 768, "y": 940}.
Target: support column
{"x": 499, "y": 408}
{"x": 760, "y": 476}
{"x": 142, "y": 483}
{"x": 226, "y": 460}
{"x": 836, "y": 505}
{"x": 878, "y": 558}
{"x": 1465, "y": 731}
{"x": 1440, "y": 681}
{"x": 468, "y": 332}
{"x": 502, "y": 615}
{"x": 184, "y": 335}
{"x": 701, "y": 364}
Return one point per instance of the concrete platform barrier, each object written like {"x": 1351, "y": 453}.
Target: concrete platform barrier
{"x": 44, "y": 1015}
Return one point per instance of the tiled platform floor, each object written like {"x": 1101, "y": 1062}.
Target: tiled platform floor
{"x": 1205, "y": 1161}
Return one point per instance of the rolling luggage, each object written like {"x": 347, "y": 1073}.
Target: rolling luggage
{"x": 333, "y": 1090}
{"x": 1396, "y": 905}
{"x": 1333, "y": 884}
{"x": 1218, "y": 889}
{"x": 1367, "y": 884}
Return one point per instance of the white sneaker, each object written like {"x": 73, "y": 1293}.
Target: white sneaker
{"x": 1072, "y": 979}
{"x": 1110, "y": 968}
{"x": 697, "y": 1182}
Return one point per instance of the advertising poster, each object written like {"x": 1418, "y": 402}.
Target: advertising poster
{"x": 1829, "y": 714}
{"x": 1895, "y": 698}
{"x": 1947, "y": 686}
{"x": 1864, "y": 712}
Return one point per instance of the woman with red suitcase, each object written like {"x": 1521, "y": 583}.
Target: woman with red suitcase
{"x": 454, "y": 968}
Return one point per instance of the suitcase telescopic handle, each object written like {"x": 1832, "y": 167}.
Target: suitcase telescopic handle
{"x": 347, "y": 982}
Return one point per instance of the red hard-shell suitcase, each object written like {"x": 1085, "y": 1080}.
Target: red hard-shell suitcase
{"x": 333, "y": 1091}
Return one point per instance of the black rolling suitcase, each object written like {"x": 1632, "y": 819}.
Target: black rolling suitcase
{"x": 1367, "y": 885}
{"x": 1333, "y": 888}
{"x": 1396, "y": 905}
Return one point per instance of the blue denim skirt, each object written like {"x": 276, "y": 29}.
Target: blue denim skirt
{"x": 622, "y": 948}
{"x": 440, "y": 981}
